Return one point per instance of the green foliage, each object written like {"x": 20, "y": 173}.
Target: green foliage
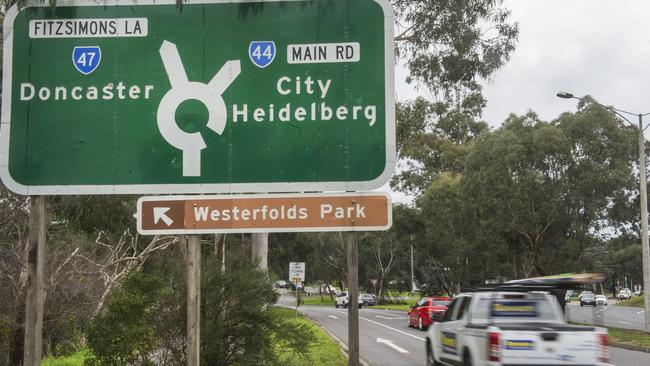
{"x": 88, "y": 213}
{"x": 634, "y": 302}
{"x": 240, "y": 329}
{"x": 322, "y": 351}
{"x": 124, "y": 334}
{"x": 76, "y": 359}
{"x": 533, "y": 197}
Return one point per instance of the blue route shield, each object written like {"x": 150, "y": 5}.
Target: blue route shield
{"x": 261, "y": 53}
{"x": 86, "y": 59}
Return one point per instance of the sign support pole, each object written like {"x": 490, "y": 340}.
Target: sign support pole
{"x": 193, "y": 265}
{"x": 353, "y": 299}
{"x": 35, "y": 282}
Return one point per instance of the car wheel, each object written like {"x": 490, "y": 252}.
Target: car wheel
{"x": 467, "y": 359}
{"x": 408, "y": 319}
{"x": 431, "y": 359}
{"x": 420, "y": 325}
{"x": 581, "y": 305}
{"x": 336, "y": 305}
{"x": 345, "y": 305}
{"x": 360, "y": 305}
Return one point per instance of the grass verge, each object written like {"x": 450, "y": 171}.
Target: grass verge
{"x": 635, "y": 301}
{"x": 636, "y": 338}
{"x": 324, "y": 351}
{"x": 75, "y": 360}
{"x": 316, "y": 300}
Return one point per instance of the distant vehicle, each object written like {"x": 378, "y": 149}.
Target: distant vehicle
{"x": 588, "y": 299}
{"x": 624, "y": 294}
{"x": 638, "y": 292}
{"x": 585, "y": 293}
{"x": 280, "y": 284}
{"x": 601, "y": 300}
{"x": 368, "y": 299}
{"x": 512, "y": 328}
{"x": 343, "y": 301}
{"x": 332, "y": 290}
{"x": 426, "y": 311}
{"x": 571, "y": 293}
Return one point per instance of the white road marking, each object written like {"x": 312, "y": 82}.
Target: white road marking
{"x": 620, "y": 321}
{"x": 333, "y": 316}
{"x": 640, "y": 312}
{"x": 387, "y": 318}
{"x": 391, "y": 328}
{"x": 384, "y": 312}
{"x": 392, "y": 345}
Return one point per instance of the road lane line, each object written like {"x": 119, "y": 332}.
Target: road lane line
{"x": 387, "y": 318}
{"x": 392, "y": 345}
{"x": 640, "y": 312}
{"x": 385, "y": 312}
{"x": 391, "y": 328}
{"x": 333, "y": 316}
{"x": 620, "y": 321}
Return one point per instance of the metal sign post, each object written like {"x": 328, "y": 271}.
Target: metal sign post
{"x": 353, "y": 299}
{"x": 35, "y": 282}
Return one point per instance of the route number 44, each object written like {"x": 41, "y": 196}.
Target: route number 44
{"x": 261, "y": 53}
{"x": 86, "y": 59}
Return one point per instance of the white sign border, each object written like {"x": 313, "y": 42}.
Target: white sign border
{"x": 9, "y": 182}
{"x": 141, "y": 231}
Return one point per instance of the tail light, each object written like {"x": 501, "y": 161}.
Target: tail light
{"x": 604, "y": 348}
{"x": 494, "y": 347}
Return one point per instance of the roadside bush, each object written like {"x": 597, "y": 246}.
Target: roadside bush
{"x": 237, "y": 326}
{"x": 124, "y": 333}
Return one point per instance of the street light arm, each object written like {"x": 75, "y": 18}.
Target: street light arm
{"x": 618, "y": 112}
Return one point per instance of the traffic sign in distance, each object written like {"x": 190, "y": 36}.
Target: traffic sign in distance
{"x": 297, "y": 272}
{"x": 219, "y": 96}
{"x": 159, "y": 215}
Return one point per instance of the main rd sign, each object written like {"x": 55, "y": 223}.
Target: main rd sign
{"x": 159, "y": 215}
{"x": 214, "y": 96}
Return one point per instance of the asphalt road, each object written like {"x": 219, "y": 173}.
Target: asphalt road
{"x": 611, "y": 316}
{"x": 386, "y": 340}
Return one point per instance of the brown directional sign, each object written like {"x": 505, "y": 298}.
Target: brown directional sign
{"x": 264, "y": 213}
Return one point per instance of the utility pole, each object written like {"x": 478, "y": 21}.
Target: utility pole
{"x": 645, "y": 250}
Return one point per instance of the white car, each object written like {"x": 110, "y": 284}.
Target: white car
{"x": 342, "y": 300}
{"x": 601, "y": 300}
{"x": 624, "y": 294}
{"x": 512, "y": 328}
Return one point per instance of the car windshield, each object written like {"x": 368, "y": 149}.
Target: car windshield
{"x": 587, "y": 295}
{"x": 366, "y": 296}
{"x": 440, "y": 303}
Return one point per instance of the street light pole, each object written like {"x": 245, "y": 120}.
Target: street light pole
{"x": 643, "y": 187}
{"x": 645, "y": 250}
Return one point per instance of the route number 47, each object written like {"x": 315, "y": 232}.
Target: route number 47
{"x": 86, "y": 59}
{"x": 261, "y": 53}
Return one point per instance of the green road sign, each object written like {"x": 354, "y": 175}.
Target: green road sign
{"x": 214, "y": 96}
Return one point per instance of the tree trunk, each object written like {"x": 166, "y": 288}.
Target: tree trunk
{"x": 260, "y": 249}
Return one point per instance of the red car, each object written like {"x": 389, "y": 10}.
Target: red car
{"x": 426, "y": 311}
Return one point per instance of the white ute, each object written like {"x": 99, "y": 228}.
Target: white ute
{"x": 512, "y": 328}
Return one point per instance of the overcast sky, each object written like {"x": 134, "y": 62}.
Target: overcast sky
{"x": 595, "y": 47}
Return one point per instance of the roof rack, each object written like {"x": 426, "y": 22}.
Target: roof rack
{"x": 567, "y": 281}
